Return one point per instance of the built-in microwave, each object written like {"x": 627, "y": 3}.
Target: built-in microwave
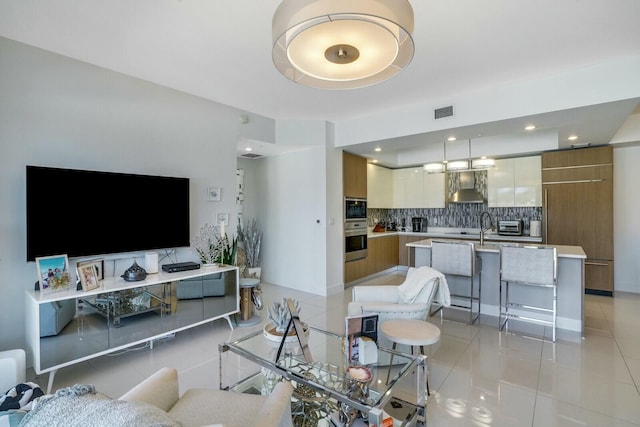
{"x": 355, "y": 209}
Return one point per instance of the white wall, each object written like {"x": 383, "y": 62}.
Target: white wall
{"x": 626, "y": 222}
{"x": 291, "y": 210}
{"x": 55, "y": 111}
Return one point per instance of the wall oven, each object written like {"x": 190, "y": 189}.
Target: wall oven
{"x": 355, "y": 209}
{"x": 355, "y": 240}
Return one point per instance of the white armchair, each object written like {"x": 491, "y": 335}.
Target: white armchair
{"x": 410, "y": 300}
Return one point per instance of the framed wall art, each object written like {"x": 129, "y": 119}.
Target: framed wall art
{"x": 98, "y": 263}
{"x": 53, "y": 272}
{"x": 213, "y": 194}
{"x": 88, "y": 277}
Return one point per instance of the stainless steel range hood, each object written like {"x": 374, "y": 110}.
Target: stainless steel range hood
{"x": 467, "y": 192}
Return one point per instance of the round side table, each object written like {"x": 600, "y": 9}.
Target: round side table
{"x": 247, "y": 317}
{"x": 411, "y": 332}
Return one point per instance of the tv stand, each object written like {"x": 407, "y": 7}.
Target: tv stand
{"x": 121, "y": 314}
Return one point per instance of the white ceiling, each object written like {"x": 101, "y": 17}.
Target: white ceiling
{"x": 221, "y": 50}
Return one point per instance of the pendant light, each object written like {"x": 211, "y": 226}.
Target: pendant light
{"x": 342, "y": 44}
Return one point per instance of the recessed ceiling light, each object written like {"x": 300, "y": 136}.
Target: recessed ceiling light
{"x": 530, "y": 127}
{"x": 374, "y": 161}
{"x": 451, "y": 138}
{"x": 573, "y": 137}
{"x": 378, "y": 149}
{"x": 248, "y": 149}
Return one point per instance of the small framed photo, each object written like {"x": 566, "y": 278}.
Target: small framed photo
{"x": 53, "y": 273}
{"x": 97, "y": 263}
{"x": 213, "y": 194}
{"x": 88, "y": 277}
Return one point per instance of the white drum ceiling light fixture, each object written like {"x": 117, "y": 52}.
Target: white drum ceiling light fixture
{"x": 342, "y": 44}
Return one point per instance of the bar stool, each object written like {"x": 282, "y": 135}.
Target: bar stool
{"x": 411, "y": 332}
{"x": 528, "y": 267}
{"x": 459, "y": 259}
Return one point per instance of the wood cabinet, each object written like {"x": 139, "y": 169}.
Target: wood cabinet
{"x": 515, "y": 183}
{"x": 379, "y": 187}
{"x": 578, "y": 208}
{"x": 382, "y": 254}
{"x": 403, "y": 251}
{"x": 354, "y": 175}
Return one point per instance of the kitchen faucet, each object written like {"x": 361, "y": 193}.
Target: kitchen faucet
{"x": 482, "y": 228}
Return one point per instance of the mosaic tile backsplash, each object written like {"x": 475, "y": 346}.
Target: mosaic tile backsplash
{"x": 463, "y": 215}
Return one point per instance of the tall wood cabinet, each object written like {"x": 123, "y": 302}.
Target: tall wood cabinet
{"x": 577, "y": 208}
{"x": 354, "y": 175}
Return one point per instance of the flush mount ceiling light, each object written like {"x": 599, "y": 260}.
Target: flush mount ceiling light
{"x": 342, "y": 44}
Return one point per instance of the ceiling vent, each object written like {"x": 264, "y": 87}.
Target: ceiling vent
{"x": 251, "y": 156}
{"x": 443, "y": 112}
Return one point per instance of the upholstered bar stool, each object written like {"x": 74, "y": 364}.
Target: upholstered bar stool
{"x": 528, "y": 267}
{"x": 458, "y": 259}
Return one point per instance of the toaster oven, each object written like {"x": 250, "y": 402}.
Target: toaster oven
{"x": 511, "y": 227}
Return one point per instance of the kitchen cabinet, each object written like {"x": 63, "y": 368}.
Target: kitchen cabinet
{"x": 578, "y": 208}
{"x": 403, "y": 250}
{"x": 354, "y": 175}
{"x": 414, "y": 188}
{"x": 515, "y": 182}
{"x": 382, "y": 254}
{"x": 434, "y": 190}
{"x": 379, "y": 187}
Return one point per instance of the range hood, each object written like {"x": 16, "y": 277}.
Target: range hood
{"x": 467, "y": 192}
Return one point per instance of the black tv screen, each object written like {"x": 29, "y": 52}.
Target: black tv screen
{"x": 82, "y": 213}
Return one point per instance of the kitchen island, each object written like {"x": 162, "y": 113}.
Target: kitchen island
{"x": 570, "y": 303}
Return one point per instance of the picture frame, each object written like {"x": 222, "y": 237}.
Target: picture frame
{"x": 88, "y": 277}
{"x": 53, "y": 273}
{"x": 213, "y": 194}
{"x": 99, "y": 265}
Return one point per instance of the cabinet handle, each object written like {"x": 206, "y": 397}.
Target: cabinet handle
{"x": 579, "y": 181}
{"x": 601, "y": 264}
{"x": 546, "y": 217}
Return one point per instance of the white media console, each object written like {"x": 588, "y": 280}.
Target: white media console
{"x": 121, "y": 314}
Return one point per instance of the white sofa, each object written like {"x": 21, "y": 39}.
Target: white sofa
{"x": 156, "y": 402}
{"x": 207, "y": 407}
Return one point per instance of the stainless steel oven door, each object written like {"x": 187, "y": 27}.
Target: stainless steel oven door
{"x": 355, "y": 243}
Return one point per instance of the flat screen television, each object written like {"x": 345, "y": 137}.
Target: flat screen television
{"x": 83, "y": 213}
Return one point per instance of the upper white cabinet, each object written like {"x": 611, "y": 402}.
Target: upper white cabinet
{"x": 414, "y": 188}
{"x": 515, "y": 182}
{"x": 379, "y": 187}
{"x": 434, "y": 190}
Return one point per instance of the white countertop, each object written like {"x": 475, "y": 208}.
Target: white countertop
{"x": 459, "y": 234}
{"x": 562, "y": 250}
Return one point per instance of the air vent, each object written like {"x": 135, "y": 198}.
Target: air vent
{"x": 251, "y": 156}
{"x": 443, "y": 112}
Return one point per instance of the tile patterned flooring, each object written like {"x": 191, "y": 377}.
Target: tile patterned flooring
{"x": 478, "y": 375}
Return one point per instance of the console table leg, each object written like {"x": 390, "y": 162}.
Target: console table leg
{"x": 52, "y": 376}
{"x": 229, "y": 321}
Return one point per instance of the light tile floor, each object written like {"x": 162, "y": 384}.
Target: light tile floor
{"x": 478, "y": 375}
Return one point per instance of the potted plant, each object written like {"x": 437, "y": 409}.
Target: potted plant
{"x": 213, "y": 248}
{"x": 205, "y": 245}
{"x": 251, "y": 239}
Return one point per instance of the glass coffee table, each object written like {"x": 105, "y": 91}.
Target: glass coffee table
{"x": 328, "y": 391}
